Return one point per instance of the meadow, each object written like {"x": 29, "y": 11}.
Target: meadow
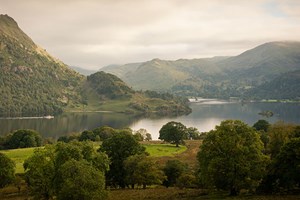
{"x": 155, "y": 149}
{"x": 159, "y": 151}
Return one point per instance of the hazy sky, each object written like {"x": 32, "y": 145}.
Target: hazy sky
{"x": 95, "y": 33}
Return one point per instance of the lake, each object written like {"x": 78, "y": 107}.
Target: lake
{"x": 205, "y": 116}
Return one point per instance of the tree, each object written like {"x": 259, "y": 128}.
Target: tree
{"x": 193, "y": 133}
{"x": 174, "y": 132}
{"x": 284, "y": 172}
{"x": 279, "y": 134}
{"x": 173, "y": 170}
{"x": 24, "y": 138}
{"x": 87, "y": 135}
{"x": 104, "y": 132}
{"x": 262, "y": 125}
{"x": 142, "y": 170}
{"x": 142, "y": 135}
{"x": 40, "y": 173}
{"x": 118, "y": 148}
{"x": 64, "y": 169}
{"x": 81, "y": 181}
{"x": 186, "y": 180}
{"x": 231, "y": 157}
{"x": 7, "y": 170}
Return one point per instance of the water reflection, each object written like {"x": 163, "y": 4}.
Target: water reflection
{"x": 205, "y": 116}
{"x": 68, "y": 123}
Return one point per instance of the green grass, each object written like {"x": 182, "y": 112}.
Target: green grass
{"x": 155, "y": 150}
{"x": 159, "y": 150}
{"x": 19, "y": 156}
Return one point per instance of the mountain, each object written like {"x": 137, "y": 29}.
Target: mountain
{"x": 33, "y": 83}
{"x": 263, "y": 63}
{"x": 31, "y": 80}
{"x": 161, "y": 75}
{"x": 220, "y": 77}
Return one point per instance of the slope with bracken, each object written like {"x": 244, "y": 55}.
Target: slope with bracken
{"x": 32, "y": 81}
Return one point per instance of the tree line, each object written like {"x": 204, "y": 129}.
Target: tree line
{"x": 232, "y": 157}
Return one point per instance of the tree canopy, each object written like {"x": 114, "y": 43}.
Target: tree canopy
{"x": 261, "y": 125}
{"x": 7, "y": 170}
{"x": 118, "y": 148}
{"x": 287, "y": 164}
{"x": 173, "y": 170}
{"x": 231, "y": 157}
{"x": 67, "y": 171}
{"x": 23, "y": 138}
{"x": 174, "y": 132}
{"x": 142, "y": 170}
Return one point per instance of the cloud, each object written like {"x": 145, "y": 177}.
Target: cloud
{"x": 94, "y": 33}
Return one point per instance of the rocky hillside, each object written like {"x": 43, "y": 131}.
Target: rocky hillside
{"x": 32, "y": 81}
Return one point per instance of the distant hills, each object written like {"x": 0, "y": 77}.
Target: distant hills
{"x": 33, "y": 83}
{"x": 259, "y": 73}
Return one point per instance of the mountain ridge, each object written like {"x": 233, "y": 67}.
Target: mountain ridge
{"x": 219, "y": 77}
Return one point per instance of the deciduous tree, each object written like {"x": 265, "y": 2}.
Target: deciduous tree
{"x": 261, "y": 125}
{"x": 142, "y": 170}
{"x": 7, "y": 170}
{"x": 231, "y": 157}
{"x": 174, "y": 132}
{"x": 173, "y": 170}
{"x": 24, "y": 138}
{"x": 118, "y": 148}
{"x": 66, "y": 169}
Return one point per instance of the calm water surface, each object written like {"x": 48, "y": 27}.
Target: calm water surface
{"x": 205, "y": 116}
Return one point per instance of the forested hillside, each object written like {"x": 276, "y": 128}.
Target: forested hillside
{"x": 104, "y": 91}
{"x": 220, "y": 77}
{"x": 31, "y": 81}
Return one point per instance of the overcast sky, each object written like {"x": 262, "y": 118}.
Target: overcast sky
{"x": 94, "y": 33}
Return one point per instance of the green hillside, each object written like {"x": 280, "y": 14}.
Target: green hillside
{"x": 31, "y": 81}
{"x": 286, "y": 85}
{"x": 220, "y": 77}
{"x": 106, "y": 92}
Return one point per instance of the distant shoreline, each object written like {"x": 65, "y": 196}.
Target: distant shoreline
{"x": 41, "y": 117}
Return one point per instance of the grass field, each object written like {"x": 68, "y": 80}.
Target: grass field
{"x": 155, "y": 149}
{"x": 19, "y": 156}
{"x": 159, "y": 150}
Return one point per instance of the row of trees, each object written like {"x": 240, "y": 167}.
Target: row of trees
{"x": 104, "y": 132}
{"x": 22, "y": 138}
{"x": 235, "y": 156}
